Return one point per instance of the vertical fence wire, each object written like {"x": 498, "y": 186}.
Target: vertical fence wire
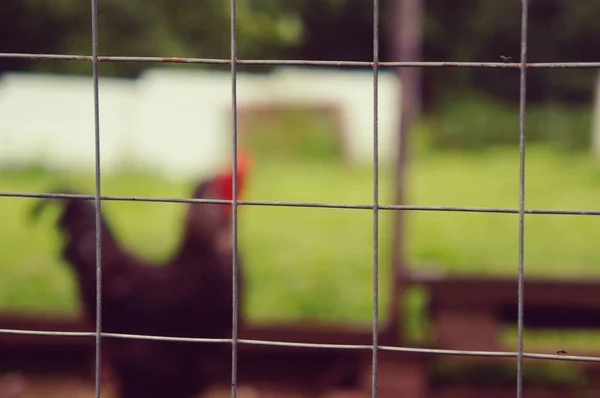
{"x": 97, "y": 200}
{"x": 374, "y": 367}
{"x": 522, "y": 127}
{"x": 235, "y": 265}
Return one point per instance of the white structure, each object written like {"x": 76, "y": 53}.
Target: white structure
{"x": 49, "y": 120}
{"x": 176, "y": 121}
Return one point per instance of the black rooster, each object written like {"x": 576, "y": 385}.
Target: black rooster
{"x": 189, "y": 296}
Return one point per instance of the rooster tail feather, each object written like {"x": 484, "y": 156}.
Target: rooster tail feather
{"x": 78, "y": 223}
{"x": 42, "y": 204}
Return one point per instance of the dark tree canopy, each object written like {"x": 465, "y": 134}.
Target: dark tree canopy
{"x": 460, "y": 30}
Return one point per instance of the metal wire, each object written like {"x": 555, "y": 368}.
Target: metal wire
{"x": 462, "y": 209}
{"x": 376, "y": 65}
{"x": 522, "y": 129}
{"x": 235, "y": 265}
{"x": 374, "y": 366}
{"x": 98, "y": 202}
{"x": 365, "y": 64}
{"x": 276, "y": 343}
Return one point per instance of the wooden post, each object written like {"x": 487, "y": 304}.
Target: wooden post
{"x": 406, "y": 38}
{"x": 596, "y": 120}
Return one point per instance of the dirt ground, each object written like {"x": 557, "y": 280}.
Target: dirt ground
{"x": 17, "y": 385}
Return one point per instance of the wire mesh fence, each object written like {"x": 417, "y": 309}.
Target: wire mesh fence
{"x": 375, "y": 206}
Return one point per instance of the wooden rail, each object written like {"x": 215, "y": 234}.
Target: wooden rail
{"x": 313, "y": 371}
{"x": 468, "y": 312}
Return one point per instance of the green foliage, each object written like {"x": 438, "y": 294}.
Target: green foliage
{"x": 473, "y": 30}
{"x": 186, "y": 28}
{"x": 477, "y": 122}
{"x": 461, "y": 30}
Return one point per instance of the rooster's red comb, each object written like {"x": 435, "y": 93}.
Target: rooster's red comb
{"x": 223, "y": 181}
{"x": 244, "y": 162}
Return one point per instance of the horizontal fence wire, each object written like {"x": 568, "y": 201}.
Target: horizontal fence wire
{"x": 376, "y": 65}
{"x": 463, "y": 209}
{"x": 365, "y": 64}
{"x": 278, "y": 343}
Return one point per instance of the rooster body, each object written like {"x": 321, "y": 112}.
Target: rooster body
{"x": 189, "y": 296}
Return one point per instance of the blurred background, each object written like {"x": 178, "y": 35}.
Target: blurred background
{"x": 310, "y": 132}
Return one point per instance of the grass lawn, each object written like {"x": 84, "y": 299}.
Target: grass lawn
{"x": 306, "y": 263}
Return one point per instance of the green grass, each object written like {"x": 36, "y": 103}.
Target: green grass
{"x": 295, "y": 256}
{"x": 487, "y": 243}
{"x": 306, "y": 263}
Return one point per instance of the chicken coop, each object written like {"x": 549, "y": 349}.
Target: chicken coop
{"x": 464, "y": 354}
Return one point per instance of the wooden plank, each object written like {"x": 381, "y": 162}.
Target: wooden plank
{"x": 497, "y": 392}
{"x": 308, "y": 370}
{"x": 549, "y": 303}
